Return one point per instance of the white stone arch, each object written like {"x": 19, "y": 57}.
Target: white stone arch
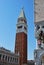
{"x": 40, "y": 57}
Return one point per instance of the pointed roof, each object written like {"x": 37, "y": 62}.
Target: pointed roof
{"x": 22, "y": 14}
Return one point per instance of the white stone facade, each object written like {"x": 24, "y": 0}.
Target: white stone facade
{"x": 38, "y": 54}
{"x": 39, "y": 10}
{"x": 8, "y": 58}
{"x": 39, "y": 31}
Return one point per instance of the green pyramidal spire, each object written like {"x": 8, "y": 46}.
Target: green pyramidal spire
{"x": 22, "y": 14}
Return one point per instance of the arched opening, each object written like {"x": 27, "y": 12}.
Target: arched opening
{"x": 42, "y": 60}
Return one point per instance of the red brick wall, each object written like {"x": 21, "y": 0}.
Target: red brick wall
{"x": 21, "y": 47}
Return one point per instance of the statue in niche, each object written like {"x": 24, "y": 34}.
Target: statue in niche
{"x": 41, "y": 40}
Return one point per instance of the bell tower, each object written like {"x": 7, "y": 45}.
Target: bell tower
{"x": 21, "y": 38}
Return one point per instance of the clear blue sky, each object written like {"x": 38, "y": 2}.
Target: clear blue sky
{"x": 9, "y": 12}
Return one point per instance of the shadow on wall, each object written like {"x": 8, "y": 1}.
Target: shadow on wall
{"x": 30, "y": 62}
